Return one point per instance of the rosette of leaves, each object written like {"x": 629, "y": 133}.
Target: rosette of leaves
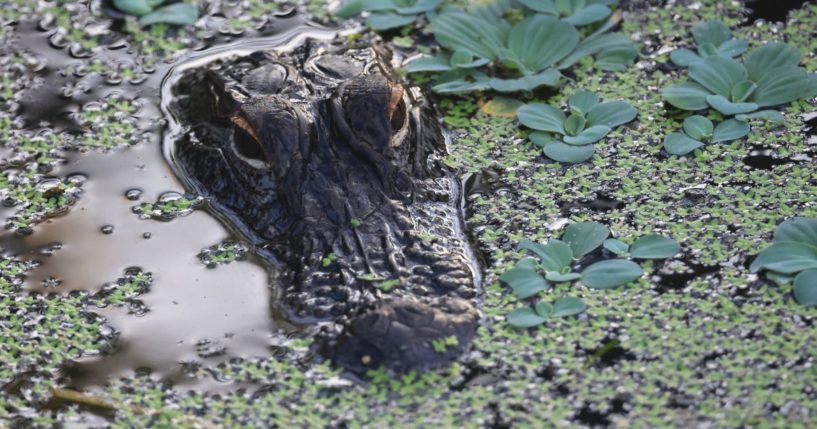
{"x": 769, "y": 76}
{"x": 524, "y": 56}
{"x": 713, "y": 38}
{"x": 576, "y": 12}
{"x": 792, "y": 258}
{"x": 569, "y": 138}
{"x": 557, "y": 260}
{"x": 387, "y": 14}
{"x": 699, "y": 131}
{"x": 159, "y": 12}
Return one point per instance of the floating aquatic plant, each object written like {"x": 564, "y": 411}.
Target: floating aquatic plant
{"x": 524, "y": 55}
{"x": 792, "y": 258}
{"x": 768, "y": 76}
{"x": 387, "y": 14}
{"x": 528, "y": 317}
{"x": 556, "y": 260}
{"x": 713, "y": 38}
{"x": 570, "y": 138}
{"x": 152, "y": 12}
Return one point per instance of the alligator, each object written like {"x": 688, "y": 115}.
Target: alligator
{"x": 334, "y": 172}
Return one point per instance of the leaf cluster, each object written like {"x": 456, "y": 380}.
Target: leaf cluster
{"x": 768, "y": 76}
{"x": 570, "y": 138}
{"x": 792, "y": 257}
{"x": 557, "y": 259}
{"x": 484, "y": 50}
{"x": 387, "y": 14}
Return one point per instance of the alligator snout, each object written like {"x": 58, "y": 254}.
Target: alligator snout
{"x": 332, "y": 169}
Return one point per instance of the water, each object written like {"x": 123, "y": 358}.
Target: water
{"x": 195, "y": 313}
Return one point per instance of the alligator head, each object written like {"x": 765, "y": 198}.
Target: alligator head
{"x": 332, "y": 169}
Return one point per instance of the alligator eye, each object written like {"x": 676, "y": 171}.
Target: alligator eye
{"x": 247, "y": 147}
{"x": 246, "y": 143}
{"x": 397, "y": 109}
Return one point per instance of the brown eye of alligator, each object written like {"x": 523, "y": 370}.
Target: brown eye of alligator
{"x": 397, "y": 108}
{"x": 246, "y": 146}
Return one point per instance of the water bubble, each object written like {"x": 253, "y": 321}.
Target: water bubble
{"x": 107, "y": 229}
{"x": 133, "y": 194}
{"x": 147, "y": 235}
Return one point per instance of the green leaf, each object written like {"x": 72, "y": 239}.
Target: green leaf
{"x": 616, "y": 246}
{"x": 588, "y": 15}
{"x": 540, "y": 41}
{"x": 805, "y": 288}
{"x": 527, "y": 263}
{"x": 543, "y": 309}
{"x": 574, "y": 124}
{"x": 174, "y": 14}
{"x": 780, "y": 86}
{"x": 780, "y": 278}
{"x": 616, "y": 43}
{"x": 730, "y": 129}
{"x": 543, "y": 117}
{"x": 684, "y": 57}
{"x": 769, "y": 115}
{"x": 698, "y": 127}
{"x": 133, "y": 7}
{"x": 611, "y": 114}
{"x": 553, "y": 276}
{"x": 654, "y": 247}
{"x": 524, "y": 282}
{"x": 786, "y": 257}
{"x": 798, "y": 230}
{"x": 686, "y": 96}
{"x": 386, "y": 21}
{"x": 582, "y": 101}
{"x": 569, "y": 154}
{"x": 441, "y": 62}
{"x": 525, "y": 317}
{"x": 717, "y": 74}
{"x": 707, "y": 50}
{"x": 588, "y": 136}
{"x": 541, "y": 138}
{"x": 457, "y": 30}
{"x": 742, "y": 90}
{"x": 543, "y": 6}
{"x": 584, "y": 237}
{"x": 549, "y": 77}
{"x": 460, "y": 85}
{"x": 680, "y": 144}
{"x": 464, "y": 60}
{"x": 379, "y": 5}
{"x": 732, "y": 48}
{"x": 554, "y": 255}
{"x": 347, "y": 10}
{"x": 616, "y": 58}
{"x": 762, "y": 60}
{"x": 714, "y": 32}
{"x": 419, "y": 6}
{"x": 721, "y": 104}
{"x": 611, "y": 274}
{"x": 567, "y": 306}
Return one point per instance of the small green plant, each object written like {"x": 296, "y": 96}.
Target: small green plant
{"x": 521, "y": 56}
{"x": 387, "y": 14}
{"x": 527, "y": 317}
{"x": 440, "y": 345}
{"x": 152, "y": 12}
{"x": 713, "y": 38}
{"x": 769, "y": 76}
{"x": 570, "y": 138}
{"x": 792, "y": 257}
{"x": 557, "y": 260}
{"x": 699, "y": 130}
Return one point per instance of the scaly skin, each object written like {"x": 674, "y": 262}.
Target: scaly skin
{"x": 332, "y": 169}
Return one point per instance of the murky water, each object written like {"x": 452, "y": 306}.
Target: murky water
{"x": 192, "y": 309}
